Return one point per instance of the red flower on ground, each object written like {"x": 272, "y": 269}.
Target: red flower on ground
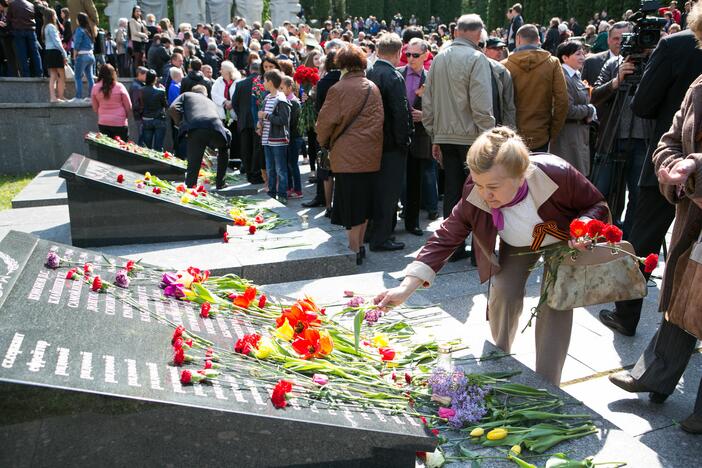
{"x": 435, "y": 432}
{"x": 180, "y": 188}
{"x": 157, "y": 190}
{"x": 612, "y": 233}
{"x": 225, "y": 238}
{"x": 387, "y": 353}
{"x": 245, "y": 300}
{"x": 129, "y": 266}
{"x": 578, "y": 228}
{"x": 313, "y": 343}
{"x": 177, "y": 333}
{"x": 87, "y": 268}
{"x": 185, "y": 377}
{"x": 252, "y": 229}
{"x": 594, "y": 228}
{"x": 262, "y": 301}
{"x": 239, "y": 221}
{"x": 258, "y": 219}
{"x": 178, "y": 343}
{"x": 247, "y": 344}
{"x": 72, "y": 273}
{"x": 179, "y": 357}
{"x": 280, "y": 391}
{"x": 302, "y": 315}
{"x": 208, "y": 364}
{"x": 120, "y": 178}
{"x": 97, "y": 284}
{"x": 650, "y": 263}
{"x": 205, "y": 310}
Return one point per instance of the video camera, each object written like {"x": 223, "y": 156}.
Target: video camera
{"x": 637, "y": 45}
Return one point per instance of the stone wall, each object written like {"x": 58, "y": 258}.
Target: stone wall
{"x": 37, "y": 89}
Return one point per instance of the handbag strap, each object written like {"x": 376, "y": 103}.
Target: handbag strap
{"x": 363, "y": 106}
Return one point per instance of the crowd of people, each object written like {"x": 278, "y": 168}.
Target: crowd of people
{"x": 510, "y": 129}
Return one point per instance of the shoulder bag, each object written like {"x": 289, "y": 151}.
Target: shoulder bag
{"x": 323, "y": 153}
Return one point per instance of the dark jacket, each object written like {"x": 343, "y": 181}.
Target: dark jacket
{"x": 279, "y": 119}
{"x": 194, "y": 110}
{"x": 295, "y": 109}
{"x": 241, "y": 103}
{"x": 194, "y": 78}
{"x": 397, "y": 125}
{"x": 213, "y": 59}
{"x": 593, "y": 67}
{"x": 152, "y": 104}
{"x": 135, "y": 89}
{"x": 560, "y": 192}
{"x": 239, "y": 58}
{"x": 673, "y": 66}
{"x": 421, "y": 142}
{"x": 158, "y": 57}
{"x": 553, "y": 38}
{"x": 20, "y": 16}
{"x": 326, "y": 82}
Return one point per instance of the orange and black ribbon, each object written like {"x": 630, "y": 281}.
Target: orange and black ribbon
{"x": 541, "y": 230}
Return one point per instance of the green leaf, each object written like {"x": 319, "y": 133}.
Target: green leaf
{"x": 357, "y": 322}
{"x": 204, "y": 293}
{"x": 466, "y": 452}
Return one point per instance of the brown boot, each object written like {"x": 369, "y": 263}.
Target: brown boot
{"x": 693, "y": 424}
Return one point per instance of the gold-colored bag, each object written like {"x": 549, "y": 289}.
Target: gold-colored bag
{"x": 596, "y": 276}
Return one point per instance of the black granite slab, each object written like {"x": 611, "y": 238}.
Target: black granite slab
{"x": 106, "y": 212}
{"x": 85, "y": 380}
{"x": 134, "y": 162}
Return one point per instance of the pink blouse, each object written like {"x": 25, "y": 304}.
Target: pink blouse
{"x": 114, "y": 110}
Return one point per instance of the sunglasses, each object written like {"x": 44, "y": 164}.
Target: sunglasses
{"x": 410, "y": 54}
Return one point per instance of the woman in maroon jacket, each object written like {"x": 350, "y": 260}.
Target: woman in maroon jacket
{"x": 509, "y": 194}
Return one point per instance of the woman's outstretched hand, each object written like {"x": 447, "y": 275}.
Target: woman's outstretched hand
{"x": 396, "y": 296}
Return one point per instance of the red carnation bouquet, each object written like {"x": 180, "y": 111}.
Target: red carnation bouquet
{"x": 307, "y": 78}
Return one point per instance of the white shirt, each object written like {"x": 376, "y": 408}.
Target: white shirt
{"x": 520, "y": 221}
{"x": 571, "y": 71}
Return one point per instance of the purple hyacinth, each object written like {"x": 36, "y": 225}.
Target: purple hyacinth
{"x": 53, "y": 261}
{"x": 355, "y": 302}
{"x": 372, "y": 316}
{"x": 467, "y": 399}
{"x": 122, "y": 279}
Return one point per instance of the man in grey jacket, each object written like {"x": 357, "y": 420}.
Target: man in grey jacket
{"x": 502, "y": 89}
{"x": 457, "y": 106}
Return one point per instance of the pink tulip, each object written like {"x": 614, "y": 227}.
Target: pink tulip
{"x": 320, "y": 379}
{"x": 446, "y": 413}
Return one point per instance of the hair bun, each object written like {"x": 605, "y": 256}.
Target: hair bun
{"x": 504, "y": 132}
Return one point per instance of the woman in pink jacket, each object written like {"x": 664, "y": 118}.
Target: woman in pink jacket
{"x": 111, "y": 103}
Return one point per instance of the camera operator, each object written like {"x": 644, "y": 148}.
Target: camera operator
{"x": 622, "y": 142}
{"x": 673, "y": 66}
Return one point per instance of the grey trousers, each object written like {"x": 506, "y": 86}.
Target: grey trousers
{"x": 665, "y": 359}
{"x": 506, "y": 303}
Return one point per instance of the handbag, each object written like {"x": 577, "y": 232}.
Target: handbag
{"x": 68, "y": 71}
{"x": 323, "y": 154}
{"x": 596, "y": 276}
{"x": 685, "y": 308}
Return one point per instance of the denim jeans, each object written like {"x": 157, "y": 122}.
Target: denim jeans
{"x": 27, "y": 50}
{"x": 277, "y": 170}
{"x": 153, "y": 132}
{"x": 84, "y": 65}
{"x": 430, "y": 190}
{"x": 294, "y": 181}
{"x": 636, "y": 149}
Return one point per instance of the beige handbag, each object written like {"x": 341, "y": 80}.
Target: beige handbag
{"x": 597, "y": 276}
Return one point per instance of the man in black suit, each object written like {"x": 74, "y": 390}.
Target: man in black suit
{"x": 515, "y": 22}
{"x": 251, "y": 149}
{"x": 397, "y": 131}
{"x": 420, "y": 159}
{"x": 673, "y": 66}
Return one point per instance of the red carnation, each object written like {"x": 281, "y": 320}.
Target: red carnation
{"x": 612, "y": 233}
{"x": 179, "y": 357}
{"x": 97, "y": 284}
{"x": 252, "y": 229}
{"x": 262, "y": 301}
{"x": 408, "y": 378}
{"x": 72, "y": 273}
{"x": 186, "y": 377}
{"x": 208, "y": 364}
{"x": 178, "y": 343}
{"x": 435, "y": 432}
{"x": 120, "y": 178}
{"x": 650, "y": 263}
{"x": 278, "y": 397}
{"x": 421, "y": 455}
{"x": 129, "y": 266}
{"x": 578, "y": 229}
{"x": 594, "y": 228}
{"x": 205, "y": 310}
{"x": 387, "y": 353}
{"x": 225, "y": 238}
{"x": 177, "y": 333}
{"x": 157, "y": 190}
{"x": 258, "y": 219}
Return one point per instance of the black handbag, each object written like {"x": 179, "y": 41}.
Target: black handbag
{"x": 323, "y": 160}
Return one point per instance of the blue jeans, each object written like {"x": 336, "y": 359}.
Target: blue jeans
{"x": 27, "y": 49}
{"x": 636, "y": 149}
{"x": 430, "y": 189}
{"x": 293, "y": 168}
{"x": 153, "y": 132}
{"x": 277, "y": 170}
{"x": 84, "y": 64}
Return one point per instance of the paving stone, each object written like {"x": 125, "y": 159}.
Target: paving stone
{"x": 46, "y": 189}
{"x": 46, "y": 222}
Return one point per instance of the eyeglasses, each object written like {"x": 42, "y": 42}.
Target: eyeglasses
{"x": 410, "y": 54}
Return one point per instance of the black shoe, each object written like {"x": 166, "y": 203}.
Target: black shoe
{"x": 415, "y": 230}
{"x": 312, "y": 180}
{"x": 359, "y": 258}
{"x": 626, "y": 382}
{"x": 693, "y": 424}
{"x": 610, "y": 319}
{"x": 314, "y": 203}
{"x": 327, "y": 213}
{"x": 255, "y": 180}
{"x": 459, "y": 254}
{"x": 433, "y": 215}
{"x": 362, "y": 251}
{"x": 388, "y": 246}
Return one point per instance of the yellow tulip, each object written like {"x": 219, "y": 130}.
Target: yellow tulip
{"x": 497, "y": 434}
{"x": 516, "y": 449}
{"x": 477, "y": 432}
{"x": 201, "y": 173}
{"x": 147, "y": 176}
{"x": 380, "y": 341}
{"x": 185, "y": 278}
{"x": 185, "y": 199}
{"x": 285, "y": 331}
{"x": 139, "y": 181}
{"x": 189, "y": 295}
{"x": 264, "y": 350}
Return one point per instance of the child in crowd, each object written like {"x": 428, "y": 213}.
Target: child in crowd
{"x": 294, "y": 182}
{"x": 275, "y": 136}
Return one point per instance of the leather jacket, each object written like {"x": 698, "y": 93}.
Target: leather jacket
{"x": 560, "y": 192}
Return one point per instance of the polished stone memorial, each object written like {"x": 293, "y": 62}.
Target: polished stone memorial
{"x": 104, "y": 211}
{"x": 86, "y": 380}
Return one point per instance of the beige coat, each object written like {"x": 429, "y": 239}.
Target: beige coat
{"x": 356, "y": 145}
{"x": 681, "y": 295}
{"x": 87, "y": 7}
{"x": 573, "y": 142}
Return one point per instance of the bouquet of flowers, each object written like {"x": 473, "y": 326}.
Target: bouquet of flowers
{"x": 307, "y": 78}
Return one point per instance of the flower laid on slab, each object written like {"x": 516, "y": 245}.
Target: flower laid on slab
{"x": 279, "y": 397}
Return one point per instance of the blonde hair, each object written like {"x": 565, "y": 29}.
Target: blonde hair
{"x": 502, "y": 146}
{"x": 694, "y": 22}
